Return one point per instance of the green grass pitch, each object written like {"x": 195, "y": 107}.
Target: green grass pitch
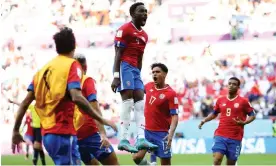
{"x": 179, "y": 159}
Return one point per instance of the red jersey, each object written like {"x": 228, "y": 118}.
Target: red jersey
{"x": 229, "y": 109}
{"x": 89, "y": 127}
{"x": 160, "y": 105}
{"x": 133, "y": 40}
{"x": 65, "y": 109}
{"x": 28, "y": 122}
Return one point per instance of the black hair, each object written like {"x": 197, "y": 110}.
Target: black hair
{"x": 133, "y": 7}
{"x": 80, "y": 58}
{"x": 65, "y": 41}
{"x": 236, "y": 79}
{"x": 161, "y": 66}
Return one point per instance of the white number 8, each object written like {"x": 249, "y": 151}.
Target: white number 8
{"x": 228, "y": 111}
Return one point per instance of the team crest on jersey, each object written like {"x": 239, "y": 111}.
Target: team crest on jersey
{"x": 151, "y": 90}
{"x": 128, "y": 83}
{"x": 236, "y": 105}
{"x": 161, "y": 96}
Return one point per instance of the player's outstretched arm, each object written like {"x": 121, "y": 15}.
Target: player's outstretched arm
{"x": 210, "y": 117}
{"x": 104, "y": 139}
{"x": 81, "y": 102}
{"x": 16, "y": 137}
{"x": 116, "y": 69}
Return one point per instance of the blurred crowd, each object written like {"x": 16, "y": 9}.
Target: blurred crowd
{"x": 197, "y": 71}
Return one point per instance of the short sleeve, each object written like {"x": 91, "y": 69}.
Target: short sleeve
{"x": 248, "y": 108}
{"x": 121, "y": 38}
{"x": 216, "y": 107}
{"x": 89, "y": 90}
{"x": 173, "y": 104}
{"x": 31, "y": 87}
{"x": 74, "y": 78}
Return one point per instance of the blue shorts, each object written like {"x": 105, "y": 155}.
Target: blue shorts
{"x": 156, "y": 137}
{"x": 130, "y": 77}
{"x": 63, "y": 149}
{"x": 28, "y": 138}
{"x": 229, "y": 147}
{"x": 90, "y": 148}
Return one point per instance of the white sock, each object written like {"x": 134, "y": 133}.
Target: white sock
{"x": 127, "y": 105}
{"x": 139, "y": 118}
{"x": 144, "y": 162}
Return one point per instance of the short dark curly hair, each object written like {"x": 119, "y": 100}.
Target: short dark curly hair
{"x": 163, "y": 67}
{"x": 133, "y": 7}
{"x": 65, "y": 41}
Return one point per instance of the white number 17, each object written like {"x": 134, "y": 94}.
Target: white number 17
{"x": 152, "y": 99}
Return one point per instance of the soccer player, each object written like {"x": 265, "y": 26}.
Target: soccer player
{"x": 130, "y": 42}
{"x": 56, "y": 89}
{"x": 233, "y": 110}
{"x": 161, "y": 113}
{"x": 92, "y": 140}
{"x": 28, "y": 137}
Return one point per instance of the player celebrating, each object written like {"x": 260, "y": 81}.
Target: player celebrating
{"x": 56, "y": 87}
{"x": 161, "y": 113}
{"x": 228, "y": 136}
{"x": 93, "y": 146}
{"x": 130, "y": 42}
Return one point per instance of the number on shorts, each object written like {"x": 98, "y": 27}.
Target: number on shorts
{"x": 152, "y": 99}
{"x": 228, "y": 111}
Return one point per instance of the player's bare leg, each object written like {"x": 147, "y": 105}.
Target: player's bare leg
{"x": 94, "y": 161}
{"x": 139, "y": 104}
{"x": 110, "y": 160}
{"x": 217, "y": 157}
{"x": 230, "y": 162}
{"x": 139, "y": 159}
{"x": 165, "y": 161}
{"x": 127, "y": 105}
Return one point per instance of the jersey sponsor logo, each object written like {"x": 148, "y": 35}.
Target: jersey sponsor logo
{"x": 175, "y": 100}
{"x": 79, "y": 72}
{"x": 119, "y": 33}
{"x": 161, "y": 96}
{"x": 236, "y": 105}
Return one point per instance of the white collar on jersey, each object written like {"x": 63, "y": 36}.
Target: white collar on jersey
{"x": 135, "y": 27}
{"x": 161, "y": 88}
{"x": 233, "y": 98}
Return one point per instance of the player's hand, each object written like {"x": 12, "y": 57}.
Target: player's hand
{"x": 168, "y": 138}
{"x": 111, "y": 124}
{"x": 104, "y": 141}
{"x": 115, "y": 83}
{"x": 239, "y": 121}
{"x": 201, "y": 124}
{"x": 17, "y": 139}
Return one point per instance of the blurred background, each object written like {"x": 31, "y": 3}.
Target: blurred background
{"x": 203, "y": 43}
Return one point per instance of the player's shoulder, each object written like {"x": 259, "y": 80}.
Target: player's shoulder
{"x": 243, "y": 99}
{"x": 220, "y": 99}
{"x": 171, "y": 90}
{"x": 125, "y": 26}
{"x": 149, "y": 85}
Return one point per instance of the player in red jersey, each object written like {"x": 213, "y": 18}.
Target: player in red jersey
{"x": 233, "y": 110}
{"x": 92, "y": 140}
{"x": 130, "y": 42}
{"x": 28, "y": 137}
{"x": 161, "y": 114}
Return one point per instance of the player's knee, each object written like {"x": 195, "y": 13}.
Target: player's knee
{"x": 37, "y": 145}
{"x": 217, "y": 161}
{"x": 137, "y": 158}
{"x": 127, "y": 94}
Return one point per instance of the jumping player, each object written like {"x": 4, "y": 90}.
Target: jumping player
{"x": 57, "y": 88}
{"x": 233, "y": 110}
{"x": 130, "y": 42}
{"x": 93, "y": 146}
{"x": 161, "y": 113}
